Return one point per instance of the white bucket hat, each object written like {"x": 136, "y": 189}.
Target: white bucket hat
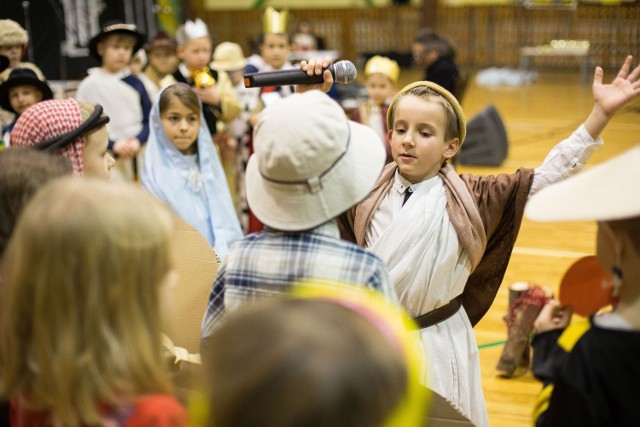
{"x": 606, "y": 192}
{"x": 310, "y": 163}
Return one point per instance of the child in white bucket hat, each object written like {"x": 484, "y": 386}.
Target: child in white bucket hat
{"x": 590, "y": 369}
{"x": 310, "y": 165}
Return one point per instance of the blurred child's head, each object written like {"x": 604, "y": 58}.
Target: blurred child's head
{"x": 606, "y": 193}
{"x": 23, "y": 89}
{"x": 180, "y": 114}
{"x": 381, "y": 77}
{"x": 428, "y": 47}
{"x": 310, "y": 163}
{"x": 115, "y": 45}
{"x": 275, "y": 45}
{"x": 319, "y": 361}
{"x": 74, "y": 130}
{"x": 426, "y": 128}
{"x": 161, "y": 54}
{"x": 229, "y": 57}
{"x": 194, "y": 45}
{"x": 81, "y": 299}
{"x": 13, "y": 41}
{"x": 22, "y": 173}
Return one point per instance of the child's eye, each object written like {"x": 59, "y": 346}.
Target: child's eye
{"x": 425, "y": 134}
{"x": 400, "y": 131}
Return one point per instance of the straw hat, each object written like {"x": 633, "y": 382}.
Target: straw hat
{"x": 228, "y": 56}
{"x": 310, "y": 163}
{"x": 22, "y": 77}
{"x": 606, "y": 192}
{"x": 115, "y": 27}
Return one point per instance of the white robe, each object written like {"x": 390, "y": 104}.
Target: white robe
{"x": 429, "y": 268}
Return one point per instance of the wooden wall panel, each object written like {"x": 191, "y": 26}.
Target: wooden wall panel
{"x": 483, "y": 36}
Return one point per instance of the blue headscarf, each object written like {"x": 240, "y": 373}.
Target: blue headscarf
{"x": 194, "y": 187}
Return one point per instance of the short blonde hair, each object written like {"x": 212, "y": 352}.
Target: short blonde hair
{"x": 81, "y": 322}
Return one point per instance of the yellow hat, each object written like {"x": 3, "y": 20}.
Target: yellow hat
{"x": 274, "y": 22}
{"x": 382, "y": 65}
{"x": 462, "y": 121}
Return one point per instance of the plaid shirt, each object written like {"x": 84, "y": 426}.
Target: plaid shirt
{"x": 264, "y": 264}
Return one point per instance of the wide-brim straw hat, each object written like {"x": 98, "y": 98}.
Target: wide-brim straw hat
{"x": 115, "y": 27}
{"x": 22, "y": 77}
{"x": 310, "y": 163}
{"x": 606, "y": 192}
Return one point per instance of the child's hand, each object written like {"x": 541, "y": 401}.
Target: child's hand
{"x": 315, "y": 67}
{"x": 609, "y": 98}
{"x": 134, "y": 145}
{"x": 553, "y": 316}
{"x": 123, "y": 149}
{"x": 208, "y": 95}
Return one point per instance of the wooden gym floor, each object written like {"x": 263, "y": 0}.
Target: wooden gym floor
{"x": 536, "y": 117}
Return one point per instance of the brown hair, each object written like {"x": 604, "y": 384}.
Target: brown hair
{"x": 185, "y": 95}
{"x": 80, "y": 303}
{"x": 315, "y": 363}
{"x": 452, "y": 126}
{"x": 22, "y": 172}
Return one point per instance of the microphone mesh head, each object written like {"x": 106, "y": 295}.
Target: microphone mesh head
{"x": 345, "y": 72}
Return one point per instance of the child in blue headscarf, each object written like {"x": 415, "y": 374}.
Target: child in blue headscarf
{"x": 183, "y": 169}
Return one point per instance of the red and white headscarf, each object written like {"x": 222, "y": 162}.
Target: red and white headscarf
{"x": 48, "y": 119}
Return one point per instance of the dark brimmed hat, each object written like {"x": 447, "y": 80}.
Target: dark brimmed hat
{"x": 22, "y": 77}
{"x": 161, "y": 40}
{"x": 116, "y": 27}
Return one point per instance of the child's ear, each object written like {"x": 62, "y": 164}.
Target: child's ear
{"x": 453, "y": 146}
{"x": 100, "y": 48}
{"x": 180, "y": 52}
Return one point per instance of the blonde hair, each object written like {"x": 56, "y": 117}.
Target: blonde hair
{"x": 80, "y": 322}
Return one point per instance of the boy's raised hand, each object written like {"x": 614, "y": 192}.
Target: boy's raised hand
{"x": 625, "y": 87}
{"x": 609, "y": 98}
{"x": 315, "y": 67}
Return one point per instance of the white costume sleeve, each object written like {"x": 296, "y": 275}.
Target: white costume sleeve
{"x": 565, "y": 159}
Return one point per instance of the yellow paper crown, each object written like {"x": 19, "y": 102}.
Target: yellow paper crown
{"x": 382, "y": 65}
{"x": 274, "y": 22}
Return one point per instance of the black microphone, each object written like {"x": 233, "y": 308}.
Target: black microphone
{"x": 342, "y": 72}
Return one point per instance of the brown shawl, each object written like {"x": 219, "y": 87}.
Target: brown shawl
{"x": 499, "y": 202}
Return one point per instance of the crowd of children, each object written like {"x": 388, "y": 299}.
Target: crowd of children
{"x": 294, "y": 196}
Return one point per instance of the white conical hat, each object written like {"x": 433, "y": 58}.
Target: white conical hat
{"x": 606, "y": 192}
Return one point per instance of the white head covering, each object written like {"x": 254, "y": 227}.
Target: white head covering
{"x": 606, "y": 192}
{"x": 197, "y": 190}
{"x": 310, "y": 163}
